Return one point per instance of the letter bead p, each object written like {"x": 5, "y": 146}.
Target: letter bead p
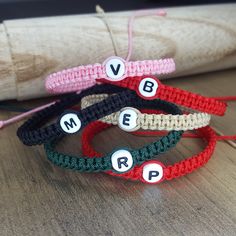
{"x": 152, "y": 172}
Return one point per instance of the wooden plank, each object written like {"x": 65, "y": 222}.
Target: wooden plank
{"x": 40, "y": 199}
{"x": 8, "y": 78}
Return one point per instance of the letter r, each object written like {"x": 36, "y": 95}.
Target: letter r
{"x": 122, "y": 161}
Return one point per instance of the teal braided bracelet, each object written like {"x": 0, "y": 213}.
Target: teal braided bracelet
{"x": 119, "y": 161}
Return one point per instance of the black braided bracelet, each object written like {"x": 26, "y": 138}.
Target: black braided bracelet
{"x": 30, "y": 133}
{"x": 123, "y": 159}
{"x": 71, "y": 122}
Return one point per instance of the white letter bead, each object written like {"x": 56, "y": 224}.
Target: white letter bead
{"x": 148, "y": 87}
{"x": 70, "y": 123}
{"x": 122, "y": 160}
{"x": 115, "y": 68}
{"x": 128, "y": 119}
{"x": 152, "y": 172}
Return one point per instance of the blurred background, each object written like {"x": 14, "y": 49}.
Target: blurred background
{"x": 11, "y": 9}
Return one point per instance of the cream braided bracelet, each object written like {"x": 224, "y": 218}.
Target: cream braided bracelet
{"x": 131, "y": 119}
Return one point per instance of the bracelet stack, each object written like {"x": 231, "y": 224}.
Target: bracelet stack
{"x": 127, "y": 95}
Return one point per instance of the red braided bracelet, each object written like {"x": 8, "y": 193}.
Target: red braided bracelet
{"x": 149, "y": 87}
{"x": 154, "y": 172}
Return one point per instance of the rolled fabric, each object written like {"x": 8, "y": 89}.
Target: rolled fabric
{"x": 199, "y": 38}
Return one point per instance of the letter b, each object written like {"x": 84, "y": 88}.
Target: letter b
{"x": 148, "y": 87}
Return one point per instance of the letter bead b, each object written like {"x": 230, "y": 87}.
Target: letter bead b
{"x": 147, "y": 88}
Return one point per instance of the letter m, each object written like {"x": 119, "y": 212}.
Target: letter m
{"x": 70, "y": 124}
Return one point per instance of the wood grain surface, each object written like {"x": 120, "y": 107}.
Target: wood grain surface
{"x": 37, "y": 198}
{"x": 8, "y": 77}
{"x": 200, "y": 38}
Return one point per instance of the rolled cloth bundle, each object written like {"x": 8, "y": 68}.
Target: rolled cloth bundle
{"x": 199, "y": 38}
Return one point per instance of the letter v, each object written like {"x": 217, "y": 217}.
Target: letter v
{"x": 115, "y": 71}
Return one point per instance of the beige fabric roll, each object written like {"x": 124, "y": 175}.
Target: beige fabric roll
{"x": 199, "y": 38}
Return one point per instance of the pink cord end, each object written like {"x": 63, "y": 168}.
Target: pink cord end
{"x": 1, "y": 124}
{"x": 161, "y": 12}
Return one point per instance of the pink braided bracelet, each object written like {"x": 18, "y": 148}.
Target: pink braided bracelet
{"x": 114, "y": 68}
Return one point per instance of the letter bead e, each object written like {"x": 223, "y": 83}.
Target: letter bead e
{"x": 128, "y": 119}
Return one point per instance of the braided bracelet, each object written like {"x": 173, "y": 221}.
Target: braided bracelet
{"x": 131, "y": 119}
{"x": 30, "y": 132}
{"x": 150, "y": 88}
{"x": 114, "y": 68}
{"x": 153, "y": 172}
{"x": 71, "y": 122}
{"x": 121, "y": 160}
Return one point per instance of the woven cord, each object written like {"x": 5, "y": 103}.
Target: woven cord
{"x": 153, "y": 121}
{"x": 175, "y": 95}
{"x": 83, "y": 77}
{"x": 172, "y": 171}
{"x": 103, "y": 164}
{"x": 85, "y": 164}
{"x": 32, "y": 133}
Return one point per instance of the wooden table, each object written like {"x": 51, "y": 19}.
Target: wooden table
{"x": 37, "y": 198}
